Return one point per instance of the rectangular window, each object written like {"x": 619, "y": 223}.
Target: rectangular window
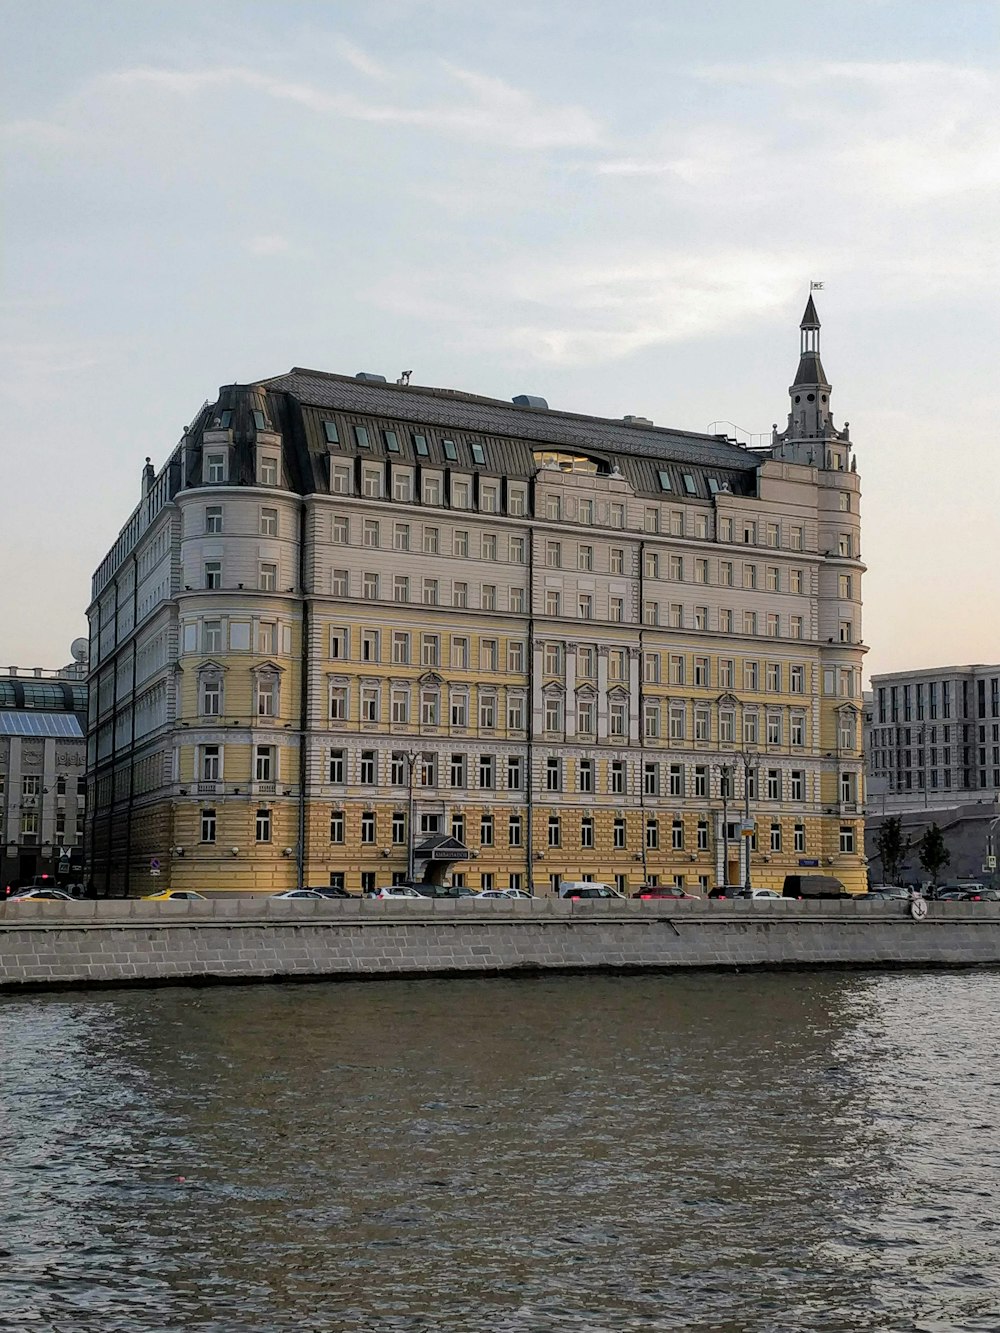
{"x": 799, "y": 843}
{"x": 846, "y": 838}
{"x": 268, "y": 471}
{"x": 616, "y": 777}
{"x": 208, "y": 826}
{"x": 514, "y": 772}
{"x": 337, "y": 766}
{"x": 432, "y": 540}
{"x": 401, "y": 648}
{"x": 213, "y": 518}
{"x": 213, "y": 573}
{"x": 216, "y": 467}
{"x": 263, "y": 763}
{"x": 460, "y": 543}
{"x": 368, "y": 826}
{"x": 263, "y": 826}
{"x": 268, "y": 576}
{"x": 400, "y": 588}
{"x": 370, "y": 533}
{"x": 369, "y": 587}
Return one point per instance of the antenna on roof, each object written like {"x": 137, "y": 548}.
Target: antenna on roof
{"x": 404, "y": 376}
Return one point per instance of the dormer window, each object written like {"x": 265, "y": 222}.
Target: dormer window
{"x": 215, "y": 467}
{"x": 665, "y": 483}
{"x": 268, "y": 468}
{"x": 226, "y": 420}
{"x": 391, "y": 441}
{"x": 420, "y": 446}
{"x": 450, "y": 450}
{"x": 331, "y": 432}
{"x": 689, "y": 485}
{"x": 478, "y": 454}
{"x": 361, "y": 437}
{"x": 258, "y": 420}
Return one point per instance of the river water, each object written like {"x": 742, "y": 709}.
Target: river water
{"x": 697, "y": 1152}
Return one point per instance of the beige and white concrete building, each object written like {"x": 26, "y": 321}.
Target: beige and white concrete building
{"x": 351, "y": 619}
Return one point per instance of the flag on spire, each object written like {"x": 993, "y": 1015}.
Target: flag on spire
{"x": 815, "y": 286}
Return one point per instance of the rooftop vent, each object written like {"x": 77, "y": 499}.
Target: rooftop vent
{"x": 529, "y": 400}
{"x": 370, "y": 377}
{"x": 637, "y": 421}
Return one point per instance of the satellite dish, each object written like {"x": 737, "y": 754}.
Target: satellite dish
{"x": 79, "y": 650}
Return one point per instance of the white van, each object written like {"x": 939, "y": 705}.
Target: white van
{"x": 586, "y": 888}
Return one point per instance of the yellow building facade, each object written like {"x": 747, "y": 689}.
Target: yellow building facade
{"x": 350, "y": 620}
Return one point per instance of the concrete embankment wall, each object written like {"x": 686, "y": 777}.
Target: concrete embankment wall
{"x": 137, "y": 943}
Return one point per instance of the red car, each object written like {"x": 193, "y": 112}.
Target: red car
{"x": 663, "y": 891}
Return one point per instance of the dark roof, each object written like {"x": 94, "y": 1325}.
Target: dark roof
{"x": 810, "y": 371}
{"x": 470, "y": 412}
{"x": 320, "y": 417}
{"x": 810, "y": 319}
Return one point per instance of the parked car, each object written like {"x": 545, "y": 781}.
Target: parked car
{"x": 443, "y": 891}
{"x": 726, "y": 891}
{"x": 170, "y": 895}
{"x": 813, "y": 886}
{"x": 757, "y": 895}
{"x": 649, "y": 891}
{"x": 41, "y": 896}
{"x": 585, "y": 888}
{"x": 969, "y": 896}
{"x": 502, "y": 893}
{"x": 314, "y": 894}
{"x": 328, "y": 891}
{"x": 887, "y": 891}
{"x": 396, "y": 891}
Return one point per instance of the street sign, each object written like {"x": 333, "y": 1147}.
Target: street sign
{"x": 63, "y": 867}
{"x": 808, "y": 861}
{"x": 991, "y": 863}
{"x": 747, "y": 828}
{"x": 153, "y": 872}
{"x": 154, "y": 864}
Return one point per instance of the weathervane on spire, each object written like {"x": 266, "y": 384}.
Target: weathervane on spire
{"x": 815, "y": 286}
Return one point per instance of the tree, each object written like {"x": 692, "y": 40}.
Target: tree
{"x": 934, "y": 855}
{"x": 892, "y": 847}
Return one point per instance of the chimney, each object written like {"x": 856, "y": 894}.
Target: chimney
{"x": 148, "y": 477}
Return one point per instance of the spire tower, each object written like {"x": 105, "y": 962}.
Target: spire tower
{"x": 810, "y": 431}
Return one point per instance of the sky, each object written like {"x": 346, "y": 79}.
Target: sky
{"x": 618, "y": 207}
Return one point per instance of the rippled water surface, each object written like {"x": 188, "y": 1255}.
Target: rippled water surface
{"x": 760, "y": 1152}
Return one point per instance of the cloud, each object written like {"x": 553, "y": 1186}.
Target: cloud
{"x": 268, "y": 245}
{"x": 590, "y": 307}
{"x": 492, "y": 111}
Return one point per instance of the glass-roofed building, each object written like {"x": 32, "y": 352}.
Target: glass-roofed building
{"x": 43, "y": 719}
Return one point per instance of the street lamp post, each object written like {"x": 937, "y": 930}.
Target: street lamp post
{"x": 747, "y": 757}
{"x": 726, "y": 773}
{"x": 411, "y": 756}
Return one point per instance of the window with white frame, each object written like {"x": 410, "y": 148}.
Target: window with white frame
{"x": 208, "y": 826}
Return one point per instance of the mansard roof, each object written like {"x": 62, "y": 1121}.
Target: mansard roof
{"x": 298, "y": 405}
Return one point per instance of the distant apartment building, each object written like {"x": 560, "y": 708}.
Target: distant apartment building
{"x": 358, "y": 630}
{"x": 42, "y": 771}
{"x": 934, "y": 738}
